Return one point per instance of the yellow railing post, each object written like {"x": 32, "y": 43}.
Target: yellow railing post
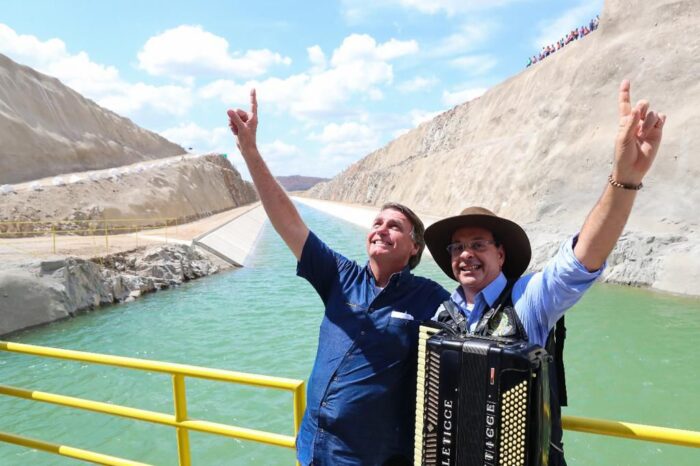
{"x": 106, "y": 236}
{"x": 183, "y": 436}
{"x": 299, "y": 407}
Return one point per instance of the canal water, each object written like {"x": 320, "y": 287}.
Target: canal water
{"x": 630, "y": 355}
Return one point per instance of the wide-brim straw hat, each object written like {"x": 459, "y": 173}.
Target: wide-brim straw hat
{"x": 508, "y": 233}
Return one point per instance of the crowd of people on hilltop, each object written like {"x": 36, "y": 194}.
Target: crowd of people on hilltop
{"x": 575, "y": 34}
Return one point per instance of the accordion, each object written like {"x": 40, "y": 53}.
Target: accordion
{"x": 480, "y": 401}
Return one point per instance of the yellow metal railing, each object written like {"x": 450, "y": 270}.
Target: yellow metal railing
{"x": 685, "y": 438}
{"x": 180, "y": 421}
{"x": 183, "y": 424}
{"x": 23, "y": 236}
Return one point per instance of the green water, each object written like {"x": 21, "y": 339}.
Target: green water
{"x": 630, "y": 355}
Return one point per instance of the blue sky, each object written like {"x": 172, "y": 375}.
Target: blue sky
{"x": 336, "y": 79}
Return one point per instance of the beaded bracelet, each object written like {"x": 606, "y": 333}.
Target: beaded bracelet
{"x": 633, "y": 187}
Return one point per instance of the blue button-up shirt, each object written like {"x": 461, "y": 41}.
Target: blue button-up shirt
{"x": 361, "y": 394}
{"x": 540, "y": 299}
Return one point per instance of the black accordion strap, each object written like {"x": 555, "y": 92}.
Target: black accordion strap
{"x": 500, "y": 302}
{"x": 457, "y": 317}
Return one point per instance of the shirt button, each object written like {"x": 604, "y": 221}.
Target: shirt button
{"x": 362, "y": 332}
{"x": 324, "y": 404}
{"x": 336, "y": 378}
{"x": 320, "y": 431}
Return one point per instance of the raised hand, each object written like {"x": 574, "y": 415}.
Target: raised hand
{"x": 244, "y": 125}
{"x": 638, "y": 138}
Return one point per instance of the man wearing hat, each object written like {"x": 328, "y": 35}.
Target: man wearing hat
{"x": 488, "y": 254}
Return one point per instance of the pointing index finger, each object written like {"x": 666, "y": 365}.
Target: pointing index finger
{"x": 623, "y": 99}
{"x": 253, "y": 102}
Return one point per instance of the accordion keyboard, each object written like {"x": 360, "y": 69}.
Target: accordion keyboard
{"x": 427, "y": 401}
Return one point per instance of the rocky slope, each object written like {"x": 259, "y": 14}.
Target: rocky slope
{"x": 46, "y": 128}
{"x": 40, "y": 292}
{"x": 538, "y": 147}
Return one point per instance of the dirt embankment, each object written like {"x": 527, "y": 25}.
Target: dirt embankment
{"x": 47, "y": 128}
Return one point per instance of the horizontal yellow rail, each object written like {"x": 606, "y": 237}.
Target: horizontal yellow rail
{"x": 179, "y": 421}
{"x": 64, "y": 450}
{"x": 150, "y": 416}
{"x": 686, "y": 438}
{"x": 156, "y": 366}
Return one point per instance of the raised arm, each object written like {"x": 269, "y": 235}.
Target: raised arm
{"x": 279, "y": 207}
{"x": 638, "y": 140}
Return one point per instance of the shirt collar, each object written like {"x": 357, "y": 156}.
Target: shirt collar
{"x": 397, "y": 277}
{"x": 494, "y": 289}
{"x": 489, "y": 294}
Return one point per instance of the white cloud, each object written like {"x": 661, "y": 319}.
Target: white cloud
{"x": 98, "y": 82}
{"x": 363, "y": 48}
{"x": 469, "y": 37}
{"x": 201, "y": 140}
{"x": 317, "y": 58}
{"x": 475, "y": 64}
{"x": 130, "y": 99}
{"x": 462, "y": 96}
{"x": 282, "y": 158}
{"x": 396, "y": 48}
{"x": 551, "y": 31}
{"x": 189, "y": 51}
{"x": 278, "y": 149}
{"x": 286, "y": 159}
{"x": 419, "y": 83}
{"x": 344, "y": 143}
{"x": 359, "y": 66}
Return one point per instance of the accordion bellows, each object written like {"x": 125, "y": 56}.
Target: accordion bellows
{"x": 481, "y": 401}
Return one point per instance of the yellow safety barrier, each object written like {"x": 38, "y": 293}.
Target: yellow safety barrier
{"x": 183, "y": 424}
{"x": 686, "y": 438}
{"x": 26, "y": 236}
{"x": 180, "y": 421}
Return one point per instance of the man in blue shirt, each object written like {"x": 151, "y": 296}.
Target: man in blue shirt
{"x": 488, "y": 254}
{"x": 361, "y": 394}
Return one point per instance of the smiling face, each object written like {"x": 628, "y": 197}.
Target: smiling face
{"x": 389, "y": 241}
{"x": 476, "y": 270}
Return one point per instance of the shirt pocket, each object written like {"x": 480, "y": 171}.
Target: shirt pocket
{"x": 401, "y": 335}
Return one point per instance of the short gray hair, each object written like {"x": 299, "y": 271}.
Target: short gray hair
{"x": 417, "y": 234}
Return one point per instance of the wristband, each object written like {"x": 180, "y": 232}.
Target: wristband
{"x": 615, "y": 184}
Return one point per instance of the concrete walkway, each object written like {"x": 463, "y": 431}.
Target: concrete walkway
{"x": 234, "y": 240}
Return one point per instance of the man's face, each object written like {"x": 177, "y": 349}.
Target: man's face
{"x": 475, "y": 270}
{"x": 389, "y": 240}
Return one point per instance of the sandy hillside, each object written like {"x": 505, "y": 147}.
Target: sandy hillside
{"x": 46, "y": 128}
{"x": 182, "y": 188}
{"x": 538, "y": 147}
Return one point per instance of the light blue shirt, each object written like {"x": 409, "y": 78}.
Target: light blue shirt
{"x": 541, "y": 298}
